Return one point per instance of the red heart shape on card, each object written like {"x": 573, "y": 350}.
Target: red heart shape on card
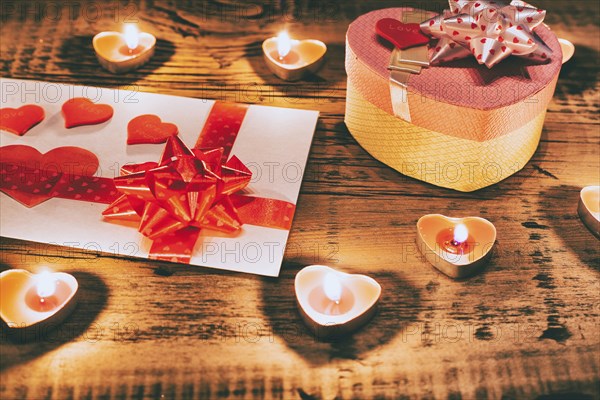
{"x": 401, "y": 35}
{"x": 81, "y": 111}
{"x": 31, "y": 177}
{"x": 148, "y": 128}
{"x": 20, "y": 120}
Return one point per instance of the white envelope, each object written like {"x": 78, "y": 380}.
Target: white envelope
{"x": 273, "y": 142}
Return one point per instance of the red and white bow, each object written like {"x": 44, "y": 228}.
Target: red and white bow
{"x": 489, "y": 30}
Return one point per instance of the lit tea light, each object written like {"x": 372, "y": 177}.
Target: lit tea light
{"x": 334, "y": 303}
{"x": 458, "y": 247}
{"x": 121, "y": 52}
{"x": 589, "y": 208}
{"x": 290, "y": 59}
{"x": 27, "y": 299}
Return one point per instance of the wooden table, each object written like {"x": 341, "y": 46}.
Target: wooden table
{"x": 527, "y": 327}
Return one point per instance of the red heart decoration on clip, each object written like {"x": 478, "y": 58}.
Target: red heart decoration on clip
{"x": 149, "y": 128}
{"x": 401, "y": 35}
{"x": 81, "y": 111}
{"x": 20, "y": 120}
{"x": 31, "y": 177}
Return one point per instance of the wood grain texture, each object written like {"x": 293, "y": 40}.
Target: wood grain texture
{"x": 527, "y": 327}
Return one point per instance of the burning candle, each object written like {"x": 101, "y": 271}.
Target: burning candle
{"x": 333, "y": 302}
{"x": 589, "y": 208}
{"x": 48, "y": 293}
{"x": 456, "y": 246}
{"x": 27, "y": 299}
{"x": 290, "y": 59}
{"x": 455, "y": 240}
{"x": 121, "y": 52}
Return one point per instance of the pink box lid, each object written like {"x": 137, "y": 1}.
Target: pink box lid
{"x": 463, "y": 83}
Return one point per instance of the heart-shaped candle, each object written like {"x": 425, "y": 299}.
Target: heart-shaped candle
{"x": 456, "y": 246}
{"x": 568, "y": 49}
{"x": 290, "y": 59}
{"x": 333, "y": 302}
{"x": 28, "y": 300}
{"x": 121, "y": 52}
{"x": 589, "y": 208}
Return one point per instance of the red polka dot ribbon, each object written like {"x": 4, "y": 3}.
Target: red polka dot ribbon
{"x": 489, "y": 30}
{"x": 31, "y": 177}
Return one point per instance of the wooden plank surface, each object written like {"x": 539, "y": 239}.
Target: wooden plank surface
{"x": 527, "y": 327}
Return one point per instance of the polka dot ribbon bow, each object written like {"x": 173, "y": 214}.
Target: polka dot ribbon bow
{"x": 190, "y": 190}
{"x": 186, "y": 189}
{"x": 489, "y": 30}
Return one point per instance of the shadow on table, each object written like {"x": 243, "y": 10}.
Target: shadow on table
{"x": 579, "y": 77}
{"x": 77, "y": 55}
{"x": 559, "y": 205}
{"x": 18, "y": 348}
{"x": 397, "y": 309}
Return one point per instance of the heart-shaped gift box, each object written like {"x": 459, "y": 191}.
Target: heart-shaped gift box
{"x": 459, "y": 125}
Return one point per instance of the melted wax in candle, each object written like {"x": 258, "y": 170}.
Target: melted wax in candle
{"x": 290, "y": 59}
{"x": 455, "y": 242}
{"x": 321, "y": 302}
{"x": 47, "y": 295}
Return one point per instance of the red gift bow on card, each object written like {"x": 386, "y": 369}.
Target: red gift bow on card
{"x": 489, "y": 30}
{"x": 173, "y": 200}
{"x": 192, "y": 189}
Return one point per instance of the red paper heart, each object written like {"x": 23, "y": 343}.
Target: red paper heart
{"x": 20, "y": 120}
{"x": 401, "y": 35}
{"x": 148, "y": 128}
{"x": 31, "y": 177}
{"x": 81, "y": 111}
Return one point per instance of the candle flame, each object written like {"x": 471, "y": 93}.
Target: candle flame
{"x": 46, "y": 284}
{"x": 284, "y": 44}
{"x": 461, "y": 233}
{"x": 132, "y": 36}
{"x": 332, "y": 287}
